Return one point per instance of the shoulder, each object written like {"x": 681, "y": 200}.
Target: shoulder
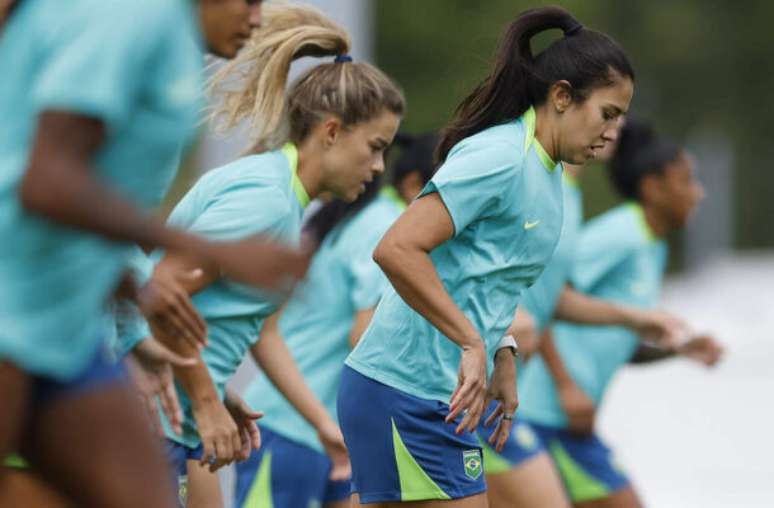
{"x": 618, "y": 230}
{"x": 260, "y": 183}
{"x": 500, "y": 147}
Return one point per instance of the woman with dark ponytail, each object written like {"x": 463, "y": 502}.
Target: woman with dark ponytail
{"x": 620, "y": 257}
{"x": 459, "y": 257}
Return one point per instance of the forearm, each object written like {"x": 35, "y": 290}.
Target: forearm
{"x": 413, "y": 275}
{"x": 553, "y": 360}
{"x": 61, "y": 184}
{"x": 276, "y": 361}
{"x": 647, "y": 353}
{"x": 577, "y": 307}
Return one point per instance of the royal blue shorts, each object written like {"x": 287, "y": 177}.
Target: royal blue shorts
{"x": 286, "y": 474}
{"x": 586, "y": 464}
{"x": 178, "y": 456}
{"x": 522, "y": 445}
{"x": 400, "y": 446}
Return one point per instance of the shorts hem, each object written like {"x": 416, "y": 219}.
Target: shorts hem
{"x": 392, "y": 497}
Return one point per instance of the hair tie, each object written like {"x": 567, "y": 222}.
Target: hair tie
{"x": 577, "y": 27}
{"x": 342, "y": 59}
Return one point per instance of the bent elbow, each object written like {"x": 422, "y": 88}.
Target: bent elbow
{"x": 34, "y": 195}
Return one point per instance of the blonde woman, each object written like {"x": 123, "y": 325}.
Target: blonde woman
{"x": 327, "y": 133}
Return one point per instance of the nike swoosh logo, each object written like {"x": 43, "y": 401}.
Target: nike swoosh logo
{"x": 529, "y": 225}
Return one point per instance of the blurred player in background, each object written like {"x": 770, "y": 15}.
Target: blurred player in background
{"x": 102, "y": 97}
{"x": 620, "y": 257}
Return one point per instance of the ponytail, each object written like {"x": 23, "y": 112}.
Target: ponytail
{"x": 583, "y": 57}
{"x": 253, "y": 85}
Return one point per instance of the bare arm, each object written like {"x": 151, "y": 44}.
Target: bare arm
{"x": 274, "y": 358}
{"x": 577, "y": 405}
{"x": 404, "y": 256}
{"x": 656, "y": 325}
{"x": 359, "y": 325}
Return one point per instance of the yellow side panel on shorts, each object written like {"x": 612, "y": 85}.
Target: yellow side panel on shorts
{"x": 260, "y": 492}
{"x": 415, "y": 484}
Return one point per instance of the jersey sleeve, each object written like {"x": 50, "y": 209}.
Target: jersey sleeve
{"x": 475, "y": 182}
{"x": 243, "y": 210}
{"x": 599, "y": 250}
{"x": 104, "y": 57}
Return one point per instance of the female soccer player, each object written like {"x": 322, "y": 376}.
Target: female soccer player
{"x": 620, "y": 257}
{"x": 323, "y": 320}
{"x": 326, "y": 134}
{"x": 459, "y": 257}
{"x": 101, "y": 96}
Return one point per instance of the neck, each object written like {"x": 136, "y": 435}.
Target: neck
{"x": 656, "y": 221}
{"x": 544, "y": 133}
{"x": 310, "y": 169}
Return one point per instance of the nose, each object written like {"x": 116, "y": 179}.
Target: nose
{"x": 378, "y": 166}
{"x": 611, "y": 133}
{"x": 255, "y": 17}
{"x": 700, "y": 192}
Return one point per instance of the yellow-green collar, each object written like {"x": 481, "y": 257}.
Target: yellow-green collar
{"x": 530, "y": 118}
{"x": 391, "y": 193}
{"x": 640, "y": 213}
{"x": 569, "y": 178}
{"x": 291, "y": 152}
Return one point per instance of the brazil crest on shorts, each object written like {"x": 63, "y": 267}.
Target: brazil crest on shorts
{"x": 472, "y": 461}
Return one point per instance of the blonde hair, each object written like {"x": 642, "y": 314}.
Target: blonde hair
{"x": 253, "y": 85}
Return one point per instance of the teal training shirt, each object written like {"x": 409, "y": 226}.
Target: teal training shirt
{"x": 504, "y": 196}
{"x": 316, "y": 323}
{"x": 133, "y": 64}
{"x": 258, "y": 194}
{"x": 540, "y": 300}
{"x": 620, "y": 260}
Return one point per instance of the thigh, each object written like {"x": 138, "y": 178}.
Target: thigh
{"x": 623, "y": 498}
{"x": 95, "y": 445}
{"x": 533, "y": 483}
{"x": 203, "y": 487}
{"x": 474, "y": 501}
{"x": 14, "y": 399}
{"x": 21, "y": 487}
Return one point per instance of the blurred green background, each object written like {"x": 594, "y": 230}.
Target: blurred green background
{"x": 702, "y": 66}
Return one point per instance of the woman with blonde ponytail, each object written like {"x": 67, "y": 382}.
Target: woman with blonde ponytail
{"x": 327, "y": 132}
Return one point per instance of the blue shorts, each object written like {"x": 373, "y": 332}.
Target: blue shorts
{"x": 178, "y": 455}
{"x": 522, "y": 445}
{"x": 101, "y": 371}
{"x": 286, "y": 474}
{"x": 401, "y": 448}
{"x": 587, "y": 466}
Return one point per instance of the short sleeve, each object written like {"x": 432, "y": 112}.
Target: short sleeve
{"x": 475, "y": 181}
{"x": 131, "y": 327}
{"x": 599, "y": 251}
{"x": 244, "y": 210}
{"x": 101, "y": 58}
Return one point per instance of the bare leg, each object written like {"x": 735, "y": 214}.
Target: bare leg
{"x": 96, "y": 447}
{"x": 339, "y": 504}
{"x": 624, "y": 498}
{"x": 14, "y": 396}
{"x": 203, "y": 487}
{"x": 532, "y": 484}
{"x": 477, "y": 501}
{"x": 23, "y": 488}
